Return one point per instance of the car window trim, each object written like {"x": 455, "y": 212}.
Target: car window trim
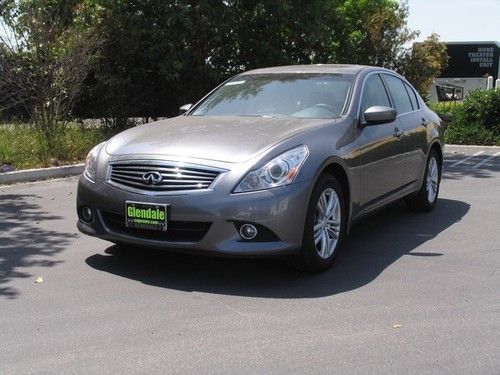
{"x": 414, "y": 92}
{"x": 348, "y": 99}
{"x": 359, "y": 114}
{"x": 417, "y": 97}
{"x": 408, "y": 89}
{"x": 390, "y": 93}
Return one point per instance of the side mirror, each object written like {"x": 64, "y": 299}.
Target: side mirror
{"x": 379, "y": 114}
{"x": 185, "y": 108}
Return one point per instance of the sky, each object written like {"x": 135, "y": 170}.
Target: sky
{"x": 456, "y": 20}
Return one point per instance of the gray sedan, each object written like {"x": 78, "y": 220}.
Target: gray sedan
{"x": 275, "y": 161}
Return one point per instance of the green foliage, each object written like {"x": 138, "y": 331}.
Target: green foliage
{"x": 423, "y": 62}
{"x": 45, "y": 55}
{"x": 369, "y": 32}
{"x": 157, "y": 55}
{"x": 20, "y": 145}
{"x": 160, "y": 54}
{"x": 476, "y": 121}
{"x": 470, "y": 134}
{"x": 482, "y": 106}
{"x": 446, "y": 110}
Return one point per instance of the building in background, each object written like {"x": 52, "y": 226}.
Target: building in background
{"x": 469, "y": 66}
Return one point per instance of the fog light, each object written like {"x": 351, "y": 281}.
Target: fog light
{"x": 248, "y": 231}
{"x": 87, "y": 213}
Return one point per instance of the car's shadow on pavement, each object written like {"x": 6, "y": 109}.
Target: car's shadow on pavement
{"x": 373, "y": 245}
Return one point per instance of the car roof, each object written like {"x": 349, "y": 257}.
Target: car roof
{"x": 318, "y": 68}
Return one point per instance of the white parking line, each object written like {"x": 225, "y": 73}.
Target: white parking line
{"x": 466, "y": 159}
{"x": 485, "y": 160}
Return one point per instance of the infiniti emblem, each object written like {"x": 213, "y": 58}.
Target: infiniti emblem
{"x": 152, "y": 178}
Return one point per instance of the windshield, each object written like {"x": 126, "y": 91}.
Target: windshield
{"x": 279, "y": 95}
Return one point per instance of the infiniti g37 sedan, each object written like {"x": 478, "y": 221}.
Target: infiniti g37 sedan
{"x": 275, "y": 161}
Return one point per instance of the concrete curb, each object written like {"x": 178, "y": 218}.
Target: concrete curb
{"x": 471, "y": 146}
{"x": 30, "y": 175}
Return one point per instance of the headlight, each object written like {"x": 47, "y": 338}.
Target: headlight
{"x": 91, "y": 162}
{"x": 278, "y": 172}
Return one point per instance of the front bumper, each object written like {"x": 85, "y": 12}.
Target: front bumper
{"x": 212, "y": 214}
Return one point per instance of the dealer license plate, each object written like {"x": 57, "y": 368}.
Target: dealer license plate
{"x": 146, "y": 215}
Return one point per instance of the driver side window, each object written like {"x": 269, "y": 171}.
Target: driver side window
{"x": 374, "y": 93}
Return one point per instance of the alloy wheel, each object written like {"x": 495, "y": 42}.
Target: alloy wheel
{"x": 432, "y": 179}
{"x": 327, "y": 221}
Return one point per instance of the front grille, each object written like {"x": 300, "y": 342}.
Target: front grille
{"x": 177, "y": 231}
{"x": 174, "y": 177}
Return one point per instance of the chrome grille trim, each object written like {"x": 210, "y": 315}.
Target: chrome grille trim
{"x": 177, "y": 177}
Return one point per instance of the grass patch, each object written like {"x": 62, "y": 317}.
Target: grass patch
{"x": 20, "y": 145}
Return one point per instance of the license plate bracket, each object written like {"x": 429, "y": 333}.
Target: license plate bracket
{"x": 142, "y": 215}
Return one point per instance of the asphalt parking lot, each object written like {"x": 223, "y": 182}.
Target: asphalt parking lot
{"x": 411, "y": 293}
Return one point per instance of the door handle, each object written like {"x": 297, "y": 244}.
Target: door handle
{"x": 397, "y": 133}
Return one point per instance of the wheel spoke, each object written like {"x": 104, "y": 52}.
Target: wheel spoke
{"x": 324, "y": 242}
{"x": 434, "y": 173}
{"x": 329, "y": 243}
{"x": 317, "y": 235}
{"x": 332, "y": 205}
{"x": 332, "y": 222}
{"x": 322, "y": 204}
{"x": 332, "y": 232}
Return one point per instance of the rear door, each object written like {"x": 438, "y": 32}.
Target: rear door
{"x": 381, "y": 152}
{"x": 413, "y": 124}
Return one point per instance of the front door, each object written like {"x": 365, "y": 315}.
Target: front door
{"x": 381, "y": 149}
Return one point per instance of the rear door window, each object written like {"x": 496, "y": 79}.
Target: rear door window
{"x": 399, "y": 94}
{"x": 413, "y": 96}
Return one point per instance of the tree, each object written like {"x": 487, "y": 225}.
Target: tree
{"x": 423, "y": 62}
{"x": 46, "y": 51}
{"x": 160, "y": 54}
{"x": 370, "y": 32}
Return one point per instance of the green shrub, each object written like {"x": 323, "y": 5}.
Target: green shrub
{"x": 446, "y": 110}
{"x": 460, "y": 133}
{"x": 475, "y": 121}
{"x": 482, "y": 106}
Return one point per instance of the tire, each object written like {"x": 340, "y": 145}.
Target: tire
{"x": 317, "y": 256}
{"x": 426, "y": 198}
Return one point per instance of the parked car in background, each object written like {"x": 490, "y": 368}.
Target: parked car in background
{"x": 275, "y": 161}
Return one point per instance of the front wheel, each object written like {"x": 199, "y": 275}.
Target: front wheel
{"x": 427, "y": 196}
{"x": 324, "y": 227}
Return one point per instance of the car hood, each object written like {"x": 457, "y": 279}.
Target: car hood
{"x": 220, "y": 138}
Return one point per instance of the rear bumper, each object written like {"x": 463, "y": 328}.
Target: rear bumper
{"x": 214, "y": 213}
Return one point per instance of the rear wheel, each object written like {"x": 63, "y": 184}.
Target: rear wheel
{"x": 427, "y": 196}
{"x": 325, "y": 226}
